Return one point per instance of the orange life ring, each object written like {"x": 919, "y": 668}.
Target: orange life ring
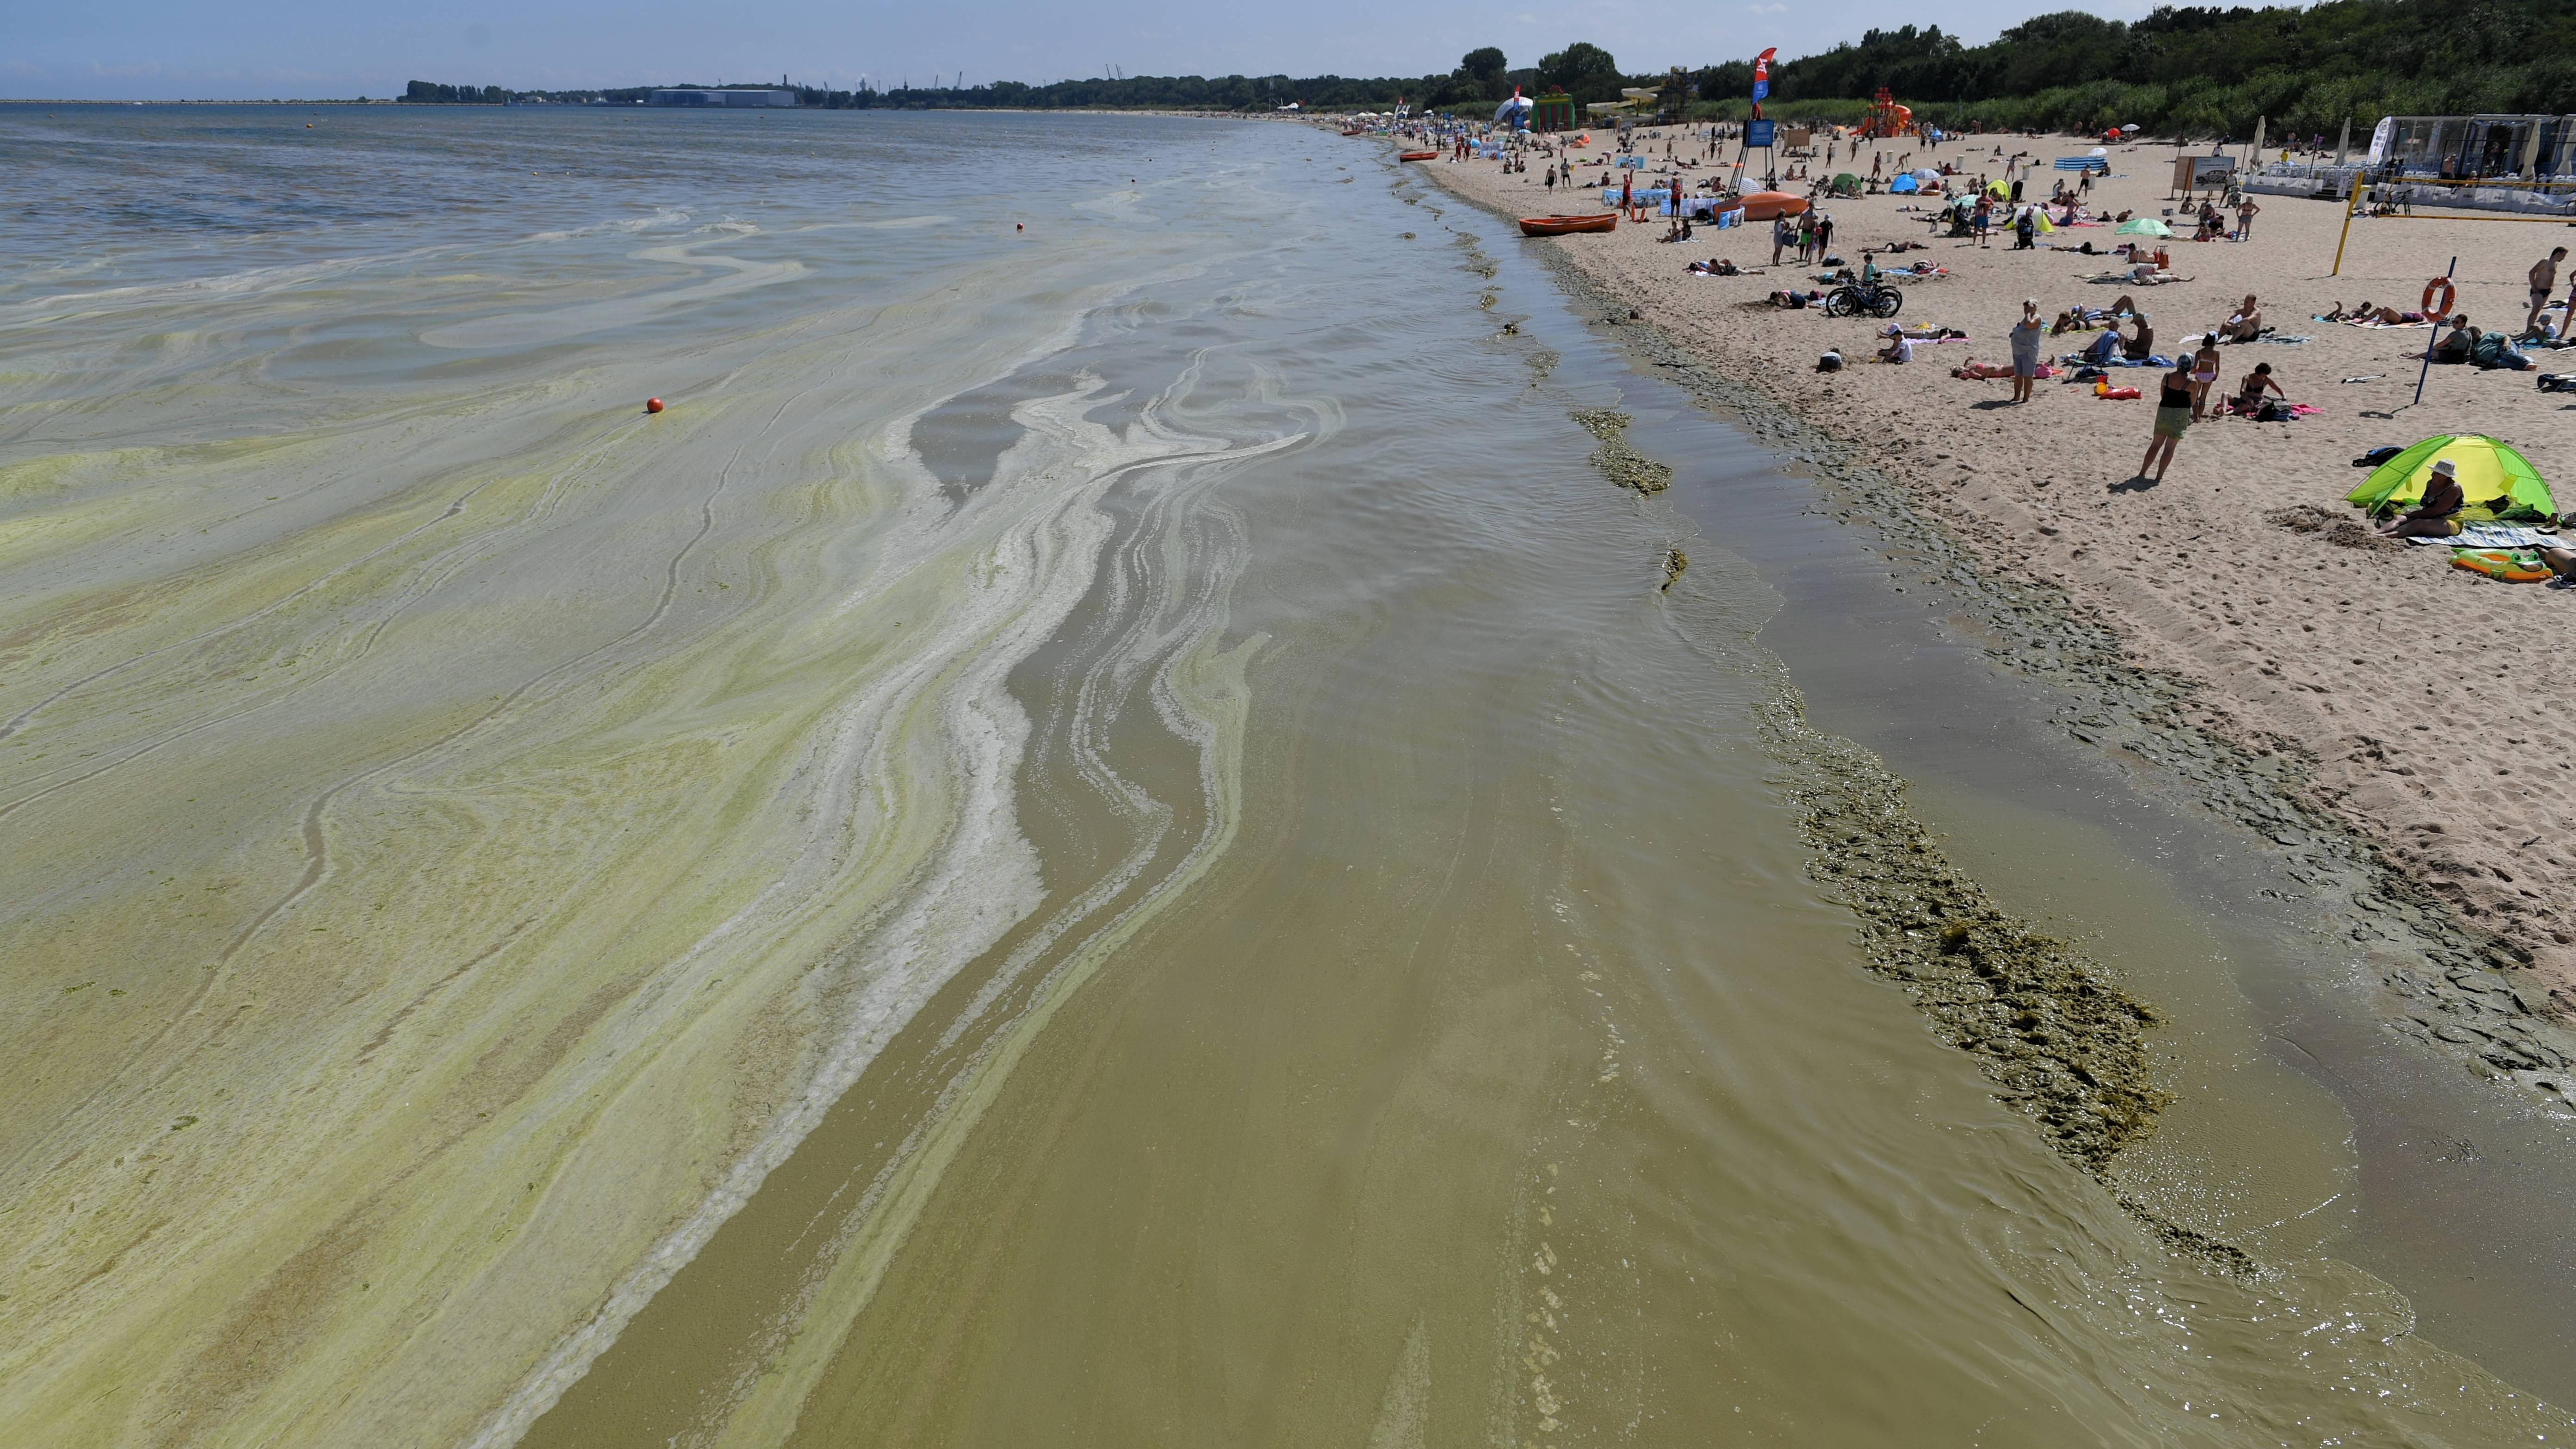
{"x": 2438, "y": 287}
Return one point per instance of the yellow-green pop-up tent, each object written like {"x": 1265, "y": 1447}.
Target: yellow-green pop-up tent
{"x": 2493, "y": 477}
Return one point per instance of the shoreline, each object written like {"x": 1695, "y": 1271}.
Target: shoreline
{"x": 2442, "y": 982}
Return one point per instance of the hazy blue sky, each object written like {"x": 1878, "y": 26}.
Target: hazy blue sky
{"x": 142, "y": 49}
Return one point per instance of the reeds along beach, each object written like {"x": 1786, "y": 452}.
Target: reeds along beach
{"x": 2408, "y": 700}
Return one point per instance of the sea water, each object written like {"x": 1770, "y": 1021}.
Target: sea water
{"x": 1104, "y": 833}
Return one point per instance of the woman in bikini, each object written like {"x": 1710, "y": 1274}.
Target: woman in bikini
{"x": 2204, "y": 372}
{"x": 2250, "y": 390}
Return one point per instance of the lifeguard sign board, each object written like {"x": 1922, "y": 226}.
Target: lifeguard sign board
{"x": 2203, "y": 173}
{"x": 1758, "y": 133}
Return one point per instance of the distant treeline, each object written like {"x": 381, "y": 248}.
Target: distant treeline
{"x": 2182, "y": 71}
{"x": 1584, "y": 71}
{"x": 2200, "y": 71}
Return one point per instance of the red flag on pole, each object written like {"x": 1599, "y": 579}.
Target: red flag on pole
{"x": 1762, "y": 79}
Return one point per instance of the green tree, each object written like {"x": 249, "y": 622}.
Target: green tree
{"x": 1584, "y": 71}
{"x": 1482, "y": 70}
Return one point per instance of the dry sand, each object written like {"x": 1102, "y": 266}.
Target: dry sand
{"x": 2425, "y": 702}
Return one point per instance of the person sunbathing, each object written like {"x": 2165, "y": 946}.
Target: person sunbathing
{"x": 2456, "y": 347}
{"x": 2436, "y": 514}
{"x": 2337, "y": 315}
{"x": 2246, "y": 325}
{"x": 2250, "y": 390}
{"x": 2142, "y": 344}
{"x": 2382, "y": 316}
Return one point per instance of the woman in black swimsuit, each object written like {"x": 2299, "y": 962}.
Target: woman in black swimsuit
{"x": 2173, "y": 414}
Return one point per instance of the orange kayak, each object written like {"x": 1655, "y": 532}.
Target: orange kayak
{"x": 1765, "y": 205}
{"x": 1419, "y": 156}
{"x": 1560, "y": 225}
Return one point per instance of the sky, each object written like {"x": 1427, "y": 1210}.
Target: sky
{"x": 309, "y": 49}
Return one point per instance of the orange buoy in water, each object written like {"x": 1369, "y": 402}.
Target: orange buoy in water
{"x": 652, "y": 404}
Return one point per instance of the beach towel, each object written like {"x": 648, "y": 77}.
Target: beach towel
{"x": 2495, "y": 535}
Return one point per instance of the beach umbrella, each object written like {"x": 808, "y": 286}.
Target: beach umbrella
{"x": 2097, "y": 151}
{"x": 2491, "y": 475}
{"x": 2130, "y": 127}
{"x": 2142, "y": 226}
{"x": 1927, "y": 175}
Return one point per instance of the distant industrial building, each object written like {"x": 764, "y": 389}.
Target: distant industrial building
{"x": 709, "y": 96}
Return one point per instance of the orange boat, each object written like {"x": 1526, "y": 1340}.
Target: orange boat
{"x": 1560, "y": 225}
{"x": 1766, "y": 205}
{"x": 1419, "y": 156}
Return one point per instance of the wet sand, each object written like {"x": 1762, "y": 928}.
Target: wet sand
{"x": 2288, "y": 643}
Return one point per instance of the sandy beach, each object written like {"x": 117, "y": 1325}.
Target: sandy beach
{"x": 2415, "y": 700}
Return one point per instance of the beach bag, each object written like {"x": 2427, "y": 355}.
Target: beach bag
{"x": 2376, "y": 456}
{"x": 2271, "y": 412}
{"x": 2558, "y": 382}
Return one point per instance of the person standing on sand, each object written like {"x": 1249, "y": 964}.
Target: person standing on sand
{"x": 1779, "y": 238}
{"x": 2544, "y": 280}
{"x": 2173, "y": 415}
{"x": 2026, "y": 335}
{"x": 2245, "y": 209}
{"x": 2204, "y": 372}
{"x": 1628, "y": 193}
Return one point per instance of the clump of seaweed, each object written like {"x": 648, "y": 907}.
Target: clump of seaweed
{"x": 1674, "y": 562}
{"x": 1617, "y": 459}
{"x": 2060, "y": 1042}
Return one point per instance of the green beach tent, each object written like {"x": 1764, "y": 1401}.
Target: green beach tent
{"x": 1847, "y": 185}
{"x": 2493, "y": 476}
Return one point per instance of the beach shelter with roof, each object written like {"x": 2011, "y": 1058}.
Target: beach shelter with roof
{"x": 2493, "y": 476}
{"x": 1903, "y": 186}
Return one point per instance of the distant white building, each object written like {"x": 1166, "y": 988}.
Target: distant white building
{"x": 709, "y": 96}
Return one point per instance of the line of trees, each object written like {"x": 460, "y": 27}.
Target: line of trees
{"x": 1584, "y": 71}
{"x": 2201, "y": 70}
{"x": 2187, "y": 70}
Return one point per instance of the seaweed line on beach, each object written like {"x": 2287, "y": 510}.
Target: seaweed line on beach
{"x": 2060, "y": 1042}
{"x": 2447, "y": 985}
{"x": 1617, "y": 459}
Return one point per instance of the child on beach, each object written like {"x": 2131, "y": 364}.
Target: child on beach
{"x": 2204, "y": 371}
